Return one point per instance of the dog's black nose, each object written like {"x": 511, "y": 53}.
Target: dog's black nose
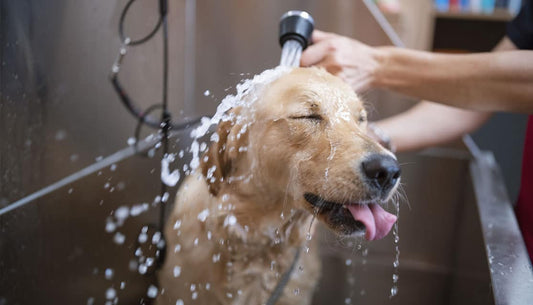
{"x": 382, "y": 171}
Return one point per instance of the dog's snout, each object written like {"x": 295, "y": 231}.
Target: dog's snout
{"x": 382, "y": 171}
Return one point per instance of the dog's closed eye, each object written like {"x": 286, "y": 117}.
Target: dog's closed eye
{"x": 313, "y": 116}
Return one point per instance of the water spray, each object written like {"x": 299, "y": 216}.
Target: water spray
{"x": 295, "y": 29}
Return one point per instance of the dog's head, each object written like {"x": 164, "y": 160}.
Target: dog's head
{"x": 303, "y": 145}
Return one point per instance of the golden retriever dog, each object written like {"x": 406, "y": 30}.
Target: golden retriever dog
{"x": 299, "y": 152}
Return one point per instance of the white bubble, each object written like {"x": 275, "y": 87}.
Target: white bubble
{"x": 207, "y": 92}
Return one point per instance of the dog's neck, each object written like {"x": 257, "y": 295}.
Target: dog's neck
{"x": 254, "y": 219}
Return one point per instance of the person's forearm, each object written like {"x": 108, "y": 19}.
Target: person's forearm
{"x": 428, "y": 124}
{"x": 499, "y": 81}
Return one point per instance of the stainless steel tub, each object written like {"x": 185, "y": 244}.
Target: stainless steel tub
{"x": 458, "y": 239}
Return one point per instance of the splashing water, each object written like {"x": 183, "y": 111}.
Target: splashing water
{"x": 248, "y": 92}
{"x": 291, "y": 54}
{"x": 396, "y": 263}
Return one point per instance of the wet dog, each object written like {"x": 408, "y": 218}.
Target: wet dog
{"x": 299, "y": 152}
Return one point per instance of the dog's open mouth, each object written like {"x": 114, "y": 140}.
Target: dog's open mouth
{"x": 350, "y": 218}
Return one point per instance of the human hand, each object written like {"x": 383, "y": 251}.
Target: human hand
{"x": 351, "y": 60}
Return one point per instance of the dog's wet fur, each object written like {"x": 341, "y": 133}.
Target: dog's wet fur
{"x": 305, "y": 140}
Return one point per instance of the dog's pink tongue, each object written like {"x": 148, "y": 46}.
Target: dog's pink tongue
{"x": 377, "y": 221}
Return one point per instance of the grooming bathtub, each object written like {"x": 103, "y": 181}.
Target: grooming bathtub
{"x": 459, "y": 241}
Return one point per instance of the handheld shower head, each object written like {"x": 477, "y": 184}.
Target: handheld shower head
{"x": 296, "y": 25}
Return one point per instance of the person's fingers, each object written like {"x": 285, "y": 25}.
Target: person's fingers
{"x": 314, "y": 54}
{"x": 318, "y": 36}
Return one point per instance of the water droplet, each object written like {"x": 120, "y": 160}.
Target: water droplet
{"x": 202, "y": 216}
{"x": 207, "y": 286}
{"x": 122, "y": 285}
{"x": 70, "y": 190}
{"x": 207, "y": 92}
{"x": 348, "y": 262}
{"x": 348, "y": 301}
{"x": 131, "y": 141}
{"x": 156, "y": 238}
{"x": 143, "y": 237}
{"x": 61, "y": 135}
{"x": 119, "y": 238}
{"x": 110, "y": 294}
{"x": 393, "y": 291}
{"x": 109, "y": 273}
{"x": 113, "y": 167}
{"x": 230, "y": 220}
{"x": 74, "y": 157}
{"x": 194, "y": 295}
{"x": 152, "y": 292}
{"x": 177, "y": 248}
{"x": 177, "y": 224}
{"x": 170, "y": 179}
{"x": 142, "y": 269}
{"x": 176, "y": 271}
{"x": 179, "y": 302}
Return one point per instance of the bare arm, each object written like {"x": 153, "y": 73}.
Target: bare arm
{"x": 497, "y": 81}
{"x": 428, "y": 124}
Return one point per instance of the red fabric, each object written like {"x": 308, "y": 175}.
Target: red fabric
{"x": 524, "y": 207}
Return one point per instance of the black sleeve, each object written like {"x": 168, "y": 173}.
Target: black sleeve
{"x": 520, "y": 30}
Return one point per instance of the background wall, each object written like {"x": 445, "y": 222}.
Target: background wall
{"x": 59, "y": 114}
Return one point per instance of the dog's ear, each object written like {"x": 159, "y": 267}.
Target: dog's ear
{"x": 217, "y": 163}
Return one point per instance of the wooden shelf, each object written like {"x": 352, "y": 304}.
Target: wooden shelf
{"x": 498, "y": 15}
